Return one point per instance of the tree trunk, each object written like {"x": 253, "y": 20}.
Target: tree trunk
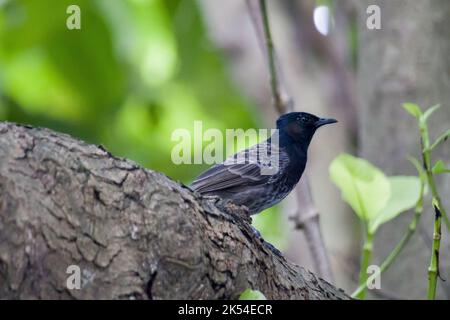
{"x": 133, "y": 233}
{"x": 408, "y": 60}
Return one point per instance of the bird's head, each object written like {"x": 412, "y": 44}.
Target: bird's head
{"x": 300, "y": 126}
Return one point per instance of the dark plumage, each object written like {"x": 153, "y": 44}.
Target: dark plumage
{"x": 242, "y": 178}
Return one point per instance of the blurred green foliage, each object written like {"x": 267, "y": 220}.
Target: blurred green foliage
{"x": 250, "y": 294}
{"x": 136, "y": 71}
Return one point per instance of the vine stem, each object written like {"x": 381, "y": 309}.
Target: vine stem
{"x": 367, "y": 254}
{"x": 402, "y": 243}
{"x": 426, "y": 177}
{"x": 436, "y": 197}
{"x": 433, "y": 269}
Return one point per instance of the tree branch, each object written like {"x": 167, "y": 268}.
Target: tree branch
{"x": 279, "y": 105}
{"x": 133, "y": 232}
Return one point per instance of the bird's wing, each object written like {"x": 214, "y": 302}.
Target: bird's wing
{"x": 243, "y": 169}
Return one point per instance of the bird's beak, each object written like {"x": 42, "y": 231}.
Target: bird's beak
{"x": 324, "y": 121}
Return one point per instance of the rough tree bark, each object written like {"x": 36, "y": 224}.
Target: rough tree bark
{"x": 133, "y": 232}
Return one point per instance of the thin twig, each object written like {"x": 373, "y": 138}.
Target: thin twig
{"x": 307, "y": 218}
{"x": 271, "y": 59}
{"x": 283, "y": 102}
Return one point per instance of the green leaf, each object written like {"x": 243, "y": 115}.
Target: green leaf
{"x": 429, "y": 112}
{"x": 405, "y": 192}
{"x": 413, "y": 109}
{"x": 443, "y": 137}
{"x": 364, "y": 187}
{"x": 250, "y": 294}
{"x": 439, "y": 167}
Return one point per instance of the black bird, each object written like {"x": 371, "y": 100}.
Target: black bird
{"x": 246, "y": 178}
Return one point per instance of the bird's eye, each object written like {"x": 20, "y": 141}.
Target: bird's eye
{"x": 304, "y": 119}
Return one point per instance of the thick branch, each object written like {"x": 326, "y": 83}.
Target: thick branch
{"x": 133, "y": 232}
